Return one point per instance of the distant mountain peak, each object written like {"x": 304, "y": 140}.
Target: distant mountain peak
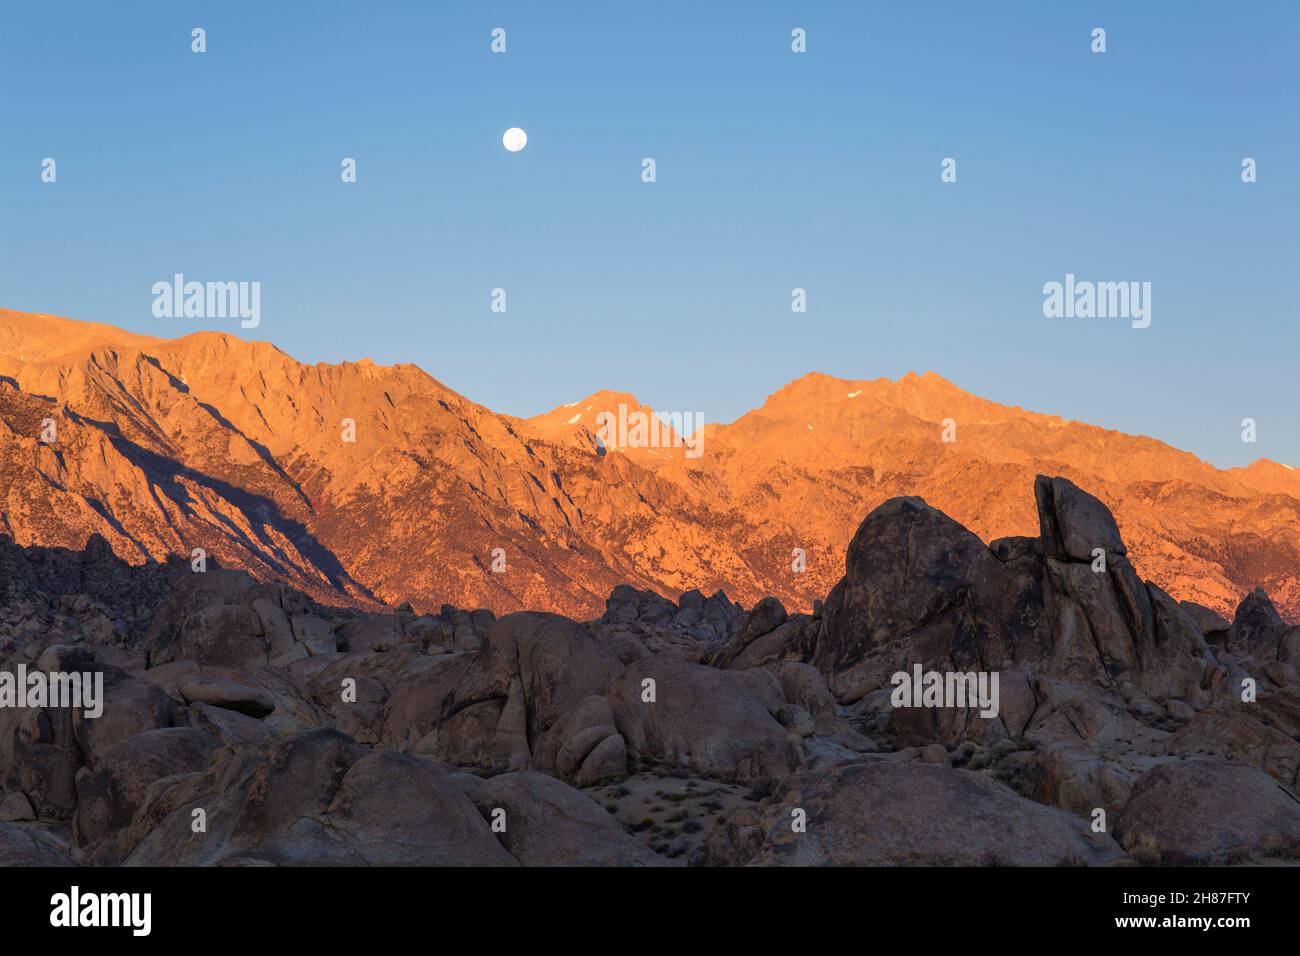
{"x": 360, "y": 482}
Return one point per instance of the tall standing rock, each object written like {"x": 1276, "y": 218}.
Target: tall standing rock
{"x": 1108, "y": 627}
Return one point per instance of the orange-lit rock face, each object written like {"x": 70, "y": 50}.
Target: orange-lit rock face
{"x": 210, "y": 441}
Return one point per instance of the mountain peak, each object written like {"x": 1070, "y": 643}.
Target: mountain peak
{"x": 586, "y": 409}
{"x": 815, "y": 391}
{"x": 37, "y": 337}
{"x": 575, "y": 423}
{"x": 1270, "y": 477}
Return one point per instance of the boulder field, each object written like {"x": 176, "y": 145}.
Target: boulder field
{"x": 244, "y": 723}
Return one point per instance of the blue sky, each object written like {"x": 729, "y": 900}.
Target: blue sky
{"x": 775, "y": 170}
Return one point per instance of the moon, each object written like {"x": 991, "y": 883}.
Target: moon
{"x": 514, "y": 139}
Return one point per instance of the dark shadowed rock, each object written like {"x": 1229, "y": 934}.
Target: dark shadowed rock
{"x": 1264, "y": 733}
{"x": 314, "y": 799}
{"x": 39, "y": 757}
{"x": 31, "y": 844}
{"x": 372, "y": 633}
{"x": 804, "y": 685}
{"x": 1072, "y": 522}
{"x": 789, "y": 640}
{"x": 767, "y": 615}
{"x": 1107, "y": 626}
{"x": 710, "y": 619}
{"x": 878, "y": 813}
{"x": 1078, "y": 779}
{"x": 1290, "y": 647}
{"x": 918, "y": 588}
{"x": 108, "y": 797}
{"x": 395, "y": 810}
{"x": 1198, "y": 811}
{"x": 228, "y": 694}
{"x": 414, "y": 708}
{"x": 130, "y": 707}
{"x": 1257, "y": 628}
{"x": 1213, "y": 625}
{"x": 705, "y": 719}
{"x": 548, "y": 823}
{"x": 592, "y": 750}
{"x": 263, "y": 807}
{"x": 532, "y": 670}
{"x": 193, "y": 594}
{"x": 16, "y": 808}
{"x": 1080, "y": 714}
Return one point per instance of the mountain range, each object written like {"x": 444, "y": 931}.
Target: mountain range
{"x": 372, "y": 485}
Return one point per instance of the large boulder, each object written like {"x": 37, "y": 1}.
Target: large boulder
{"x": 1080, "y": 714}
{"x": 1107, "y": 627}
{"x": 257, "y": 807}
{"x": 786, "y": 642}
{"x": 39, "y": 757}
{"x": 412, "y": 709}
{"x": 548, "y": 823}
{"x": 396, "y": 810}
{"x": 767, "y": 615}
{"x": 707, "y": 720}
{"x": 593, "y": 751}
{"x": 1257, "y": 628}
{"x": 316, "y": 798}
{"x": 884, "y": 813}
{"x": 1214, "y": 626}
{"x": 109, "y": 796}
{"x": 170, "y": 637}
{"x": 1198, "y": 811}
{"x": 1068, "y": 775}
{"x": 918, "y": 588}
{"x": 354, "y": 690}
{"x": 130, "y": 707}
{"x": 1073, "y": 523}
{"x": 207, "y": 688}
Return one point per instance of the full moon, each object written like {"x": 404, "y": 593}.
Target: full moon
{"x": 514, "y": 139}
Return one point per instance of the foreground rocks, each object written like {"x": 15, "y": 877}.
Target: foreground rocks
{"x": 880, "y": 813}
{"x": 245, "y": 724}
{"x": 1223, "y": 808}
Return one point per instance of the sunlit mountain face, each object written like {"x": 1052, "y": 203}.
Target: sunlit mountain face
{"x": 374, "y": 485}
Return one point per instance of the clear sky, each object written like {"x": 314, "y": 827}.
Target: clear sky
{"x": 775, "y": 170}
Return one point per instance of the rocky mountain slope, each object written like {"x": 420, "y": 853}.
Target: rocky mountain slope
{"x": 245, "y": 724}
{"x": 371, "y": 486}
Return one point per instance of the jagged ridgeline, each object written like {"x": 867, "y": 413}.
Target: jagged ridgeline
{"x": 371, "y": 486}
